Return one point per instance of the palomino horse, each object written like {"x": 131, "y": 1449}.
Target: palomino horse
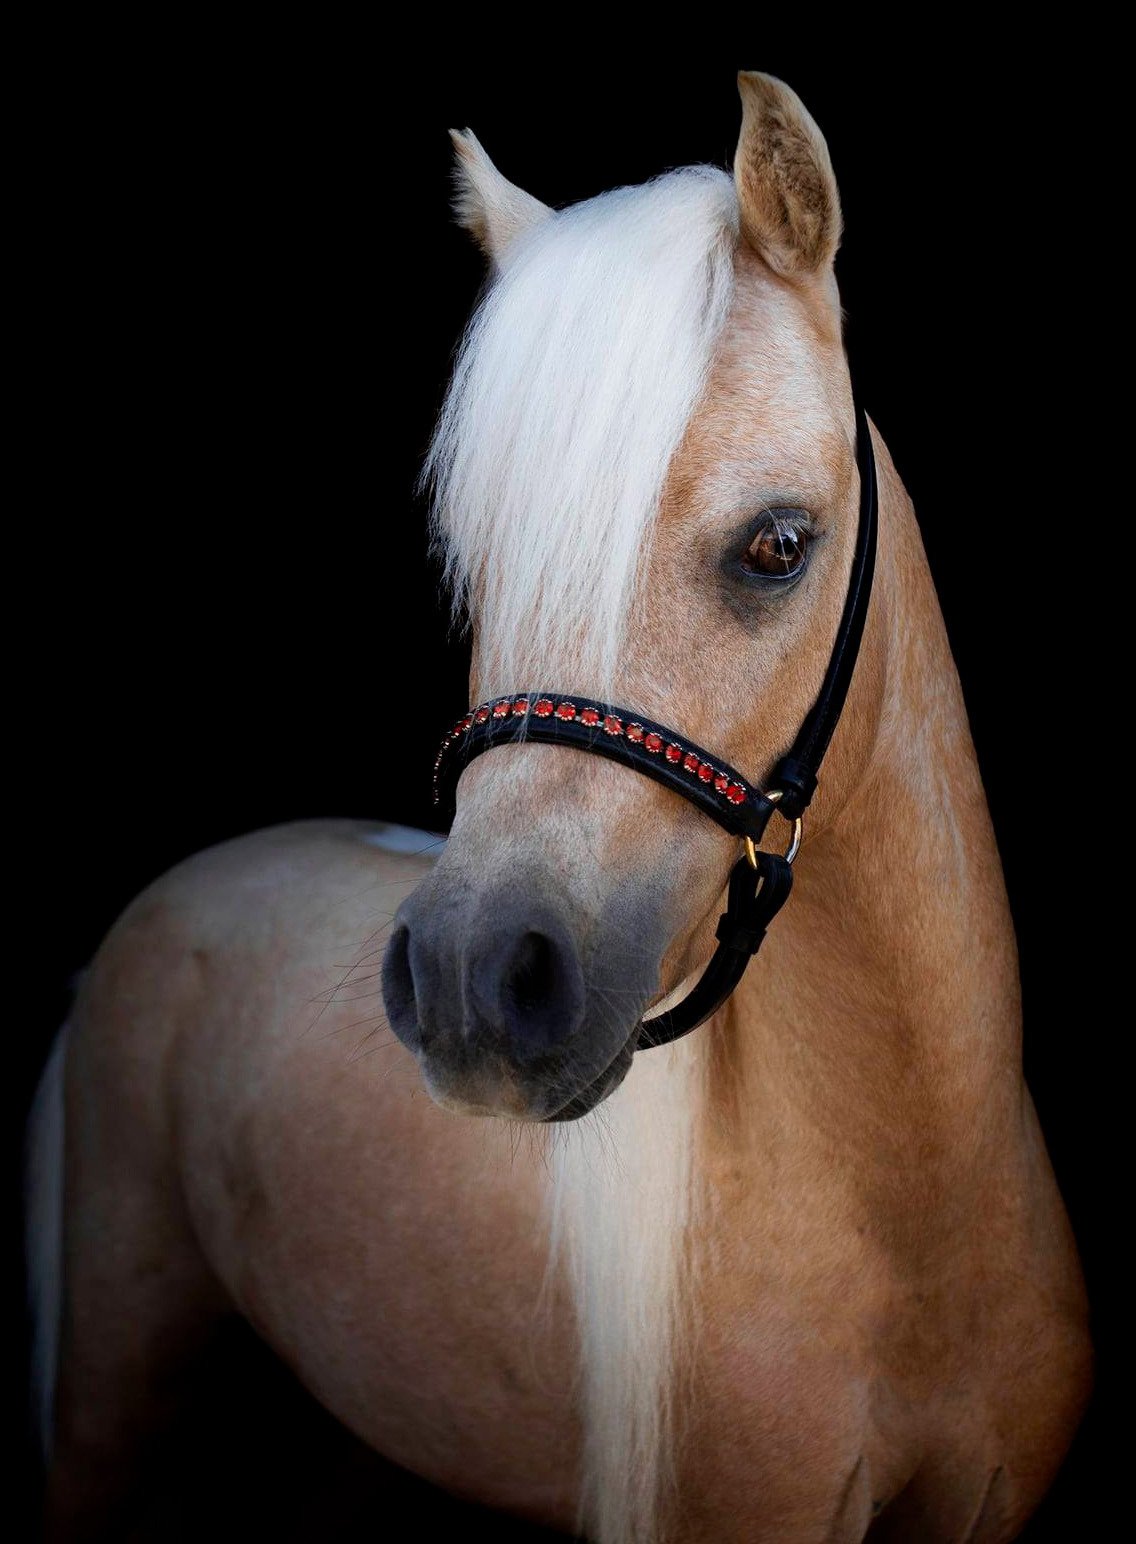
{"x": 804, "y": 1274}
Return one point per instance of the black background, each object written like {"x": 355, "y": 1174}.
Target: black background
{"x": 243, "y": 293}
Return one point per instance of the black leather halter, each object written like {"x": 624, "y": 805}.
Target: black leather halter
{"x": 760, "y": 881}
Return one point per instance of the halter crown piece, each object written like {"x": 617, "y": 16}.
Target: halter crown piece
{"x": 760, "y": 881}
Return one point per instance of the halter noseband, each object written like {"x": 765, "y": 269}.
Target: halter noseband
{"x": 760, "y": 881}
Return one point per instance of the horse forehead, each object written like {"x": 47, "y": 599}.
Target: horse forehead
{"x": 775, "y": 432}
{"x": 777, "y": 403}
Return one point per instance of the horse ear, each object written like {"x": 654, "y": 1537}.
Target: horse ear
{"x": 489, "y": 206}
{"x": 787, "y": 195}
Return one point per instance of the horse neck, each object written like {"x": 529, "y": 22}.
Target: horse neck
{"x": 884, "y": 1013}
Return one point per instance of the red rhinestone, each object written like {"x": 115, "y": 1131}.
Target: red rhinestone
{"x": 673, "y": 752}
{"x": 613, "y": 724}
{"x": 691, "y": 762}
{"x": 590, "y": 717}
{"x": 543, "y": 708}
{"x": 463, "y": 726}
{"x": 566, "y": 711}
{"x": 721, "y": 782}
{"x": 706, "y": 771}
{"x": 481, "y": 715}
{"x": 635, "y": 732}
{"x": 521, "y": 706}
{"x": 736, "y": 793}
{"x": 500, "y": 710}
{"x": 653, "y": 742}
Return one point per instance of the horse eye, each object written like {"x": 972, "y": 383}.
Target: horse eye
{"x": 778, "y": 550}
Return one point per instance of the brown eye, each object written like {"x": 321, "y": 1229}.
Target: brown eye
{"x": 778, "y": 550}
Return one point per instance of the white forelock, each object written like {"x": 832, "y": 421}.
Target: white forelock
{"x": 575, "y": 381}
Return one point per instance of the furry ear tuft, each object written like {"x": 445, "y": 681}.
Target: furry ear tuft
{"x": 787, "y": 194}
{"x": 488, "y": 205}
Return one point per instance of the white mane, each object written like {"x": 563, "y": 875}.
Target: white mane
{"x": 572, "y": 390}
{"x": 623, "y": 1198}
{"x": 576, "y": 379}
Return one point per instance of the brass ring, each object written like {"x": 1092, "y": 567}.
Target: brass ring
{"x": 794, "y": 840}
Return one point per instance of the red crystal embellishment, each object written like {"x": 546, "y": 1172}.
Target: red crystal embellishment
{"x": 611, "y": 723}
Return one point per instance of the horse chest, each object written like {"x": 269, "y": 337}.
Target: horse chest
{"x": 788, "y": 1400}
{"x": 830, "y": 1384}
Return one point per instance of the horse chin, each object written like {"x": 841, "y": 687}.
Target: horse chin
{"x": 599, "y": 1089}
{"x": 501, "y": 1094}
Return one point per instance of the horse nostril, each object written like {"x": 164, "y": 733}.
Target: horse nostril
{"x": 399, "y": 995}
{"x": 530, "y": 977}
{"x": 527, "y": 990}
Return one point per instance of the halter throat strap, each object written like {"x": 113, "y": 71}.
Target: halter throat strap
{"x": 761, "y": 881}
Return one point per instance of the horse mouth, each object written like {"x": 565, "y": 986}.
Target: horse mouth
{"x": 592, "y": 1094}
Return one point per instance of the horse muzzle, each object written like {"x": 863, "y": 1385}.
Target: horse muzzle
{"x": 507, "y": 995}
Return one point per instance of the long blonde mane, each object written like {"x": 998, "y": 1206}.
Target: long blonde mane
{"x": 622, "y": 1200}
{"x": 571, "y": 393}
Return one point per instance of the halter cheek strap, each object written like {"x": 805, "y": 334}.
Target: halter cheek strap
{"x": 760, "y": 881}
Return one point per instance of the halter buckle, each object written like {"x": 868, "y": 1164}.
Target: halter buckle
{"x": 794, "y": 840}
